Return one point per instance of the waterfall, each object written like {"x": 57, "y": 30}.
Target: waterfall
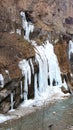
{"x": 27, "y": 26}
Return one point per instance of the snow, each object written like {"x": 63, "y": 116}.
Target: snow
{"x": 18, "y": 31}
{"x": 4, "y": 118}
{"x": 51, "y": 93}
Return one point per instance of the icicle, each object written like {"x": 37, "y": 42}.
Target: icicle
{"x": 54, "y": 70}
{"x": 32, "y": 67}
{"x": 25, "y": 87}
{"x": 70, "y": 48}
{"x": 21, "y": 89}
{"x": 29, "y": 74}
{"x": 35, "y": 87}
{"x": 26, "y": 71}
{"x": 12, "y": 103}
{"x": 1, "y": 81}
{"x": 43, "y": 68}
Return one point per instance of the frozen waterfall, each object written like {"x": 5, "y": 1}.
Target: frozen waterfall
{"x": 48, "y": 71}
{"x": 27, "y": 26}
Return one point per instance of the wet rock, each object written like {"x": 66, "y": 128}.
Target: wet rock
{"x": 69, "y": 20}
{"x": 61, "y": 52}
{"x": 50, "y": 13}
{"x": 64, "y": 90}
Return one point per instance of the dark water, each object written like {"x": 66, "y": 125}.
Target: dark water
{"x": 58, "y": 116}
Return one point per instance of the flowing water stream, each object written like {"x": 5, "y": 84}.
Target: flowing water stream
{"x": 54, "y": 116}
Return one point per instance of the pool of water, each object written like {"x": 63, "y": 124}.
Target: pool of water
{"x": 53, "y": 116}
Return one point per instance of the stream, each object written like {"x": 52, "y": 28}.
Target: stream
{"x": 53, "y": 116}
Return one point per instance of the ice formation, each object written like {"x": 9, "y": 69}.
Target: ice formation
{"x": 70, "y": 48}
{"x": 5, "y": 118}
{"x": 1, "y": 81}
{"x": 31, "y": 64}
{"x": 12, "y": 102}
{"x": 26, "y": 71}
{"x": 48, "y": 70}
{"x": 21, "y": 90}
{"x": 27, "y": 26}
{"x": 18, "y": 31}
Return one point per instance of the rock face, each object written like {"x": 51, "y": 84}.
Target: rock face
{"x": 49, "y": 17}
{"x": 50, "y": 13}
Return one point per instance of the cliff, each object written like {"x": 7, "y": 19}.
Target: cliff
{"x": 53, "y": 18}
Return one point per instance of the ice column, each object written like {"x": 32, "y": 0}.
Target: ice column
{"x": 1, "y": 81}
{"x": 32, "y": 66}
{"x": 26, "y": 71}
{"x": 43, "y": 68}
{"x": 70, "y": 48}
{"x": 54, "y": 70}
{"x": 12, "y": 103}
{"x": 35, "y": 87}
{"x": 21, "y": 89}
